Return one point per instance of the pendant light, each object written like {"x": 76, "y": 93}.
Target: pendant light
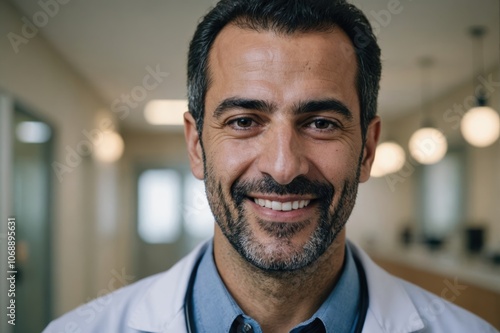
{"x": 389, "y": 158}
{"x": 428, "y": 145}
{"x": 480, "y": 126}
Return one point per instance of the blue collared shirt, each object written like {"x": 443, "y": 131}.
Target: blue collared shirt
{"x": 215, "y": 310}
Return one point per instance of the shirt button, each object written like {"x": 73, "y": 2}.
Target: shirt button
{"x": 246, "y": 328}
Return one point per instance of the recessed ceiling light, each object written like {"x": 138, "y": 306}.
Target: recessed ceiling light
{"x": 166, "y": 111}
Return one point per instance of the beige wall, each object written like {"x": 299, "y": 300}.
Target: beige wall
{"x": 45, "y": 84}
{"x": 147, "y": 150}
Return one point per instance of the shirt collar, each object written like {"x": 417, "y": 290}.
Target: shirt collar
{"x": 215, "y": 310}
{"x": 339, "y": 312}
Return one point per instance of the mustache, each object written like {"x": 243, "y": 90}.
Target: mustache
{"x": 267, "y": 185}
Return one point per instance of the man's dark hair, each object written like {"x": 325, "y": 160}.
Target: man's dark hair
{"x": 286, "y": 17}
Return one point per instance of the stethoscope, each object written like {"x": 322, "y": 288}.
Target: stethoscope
{"x": 363, "y": 302}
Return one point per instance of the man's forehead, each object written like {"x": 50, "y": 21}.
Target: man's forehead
{"x": 283, "y": 69}
{"x": 236, "y": 46}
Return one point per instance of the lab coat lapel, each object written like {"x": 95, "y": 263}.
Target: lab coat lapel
{"x": 161, "y": 309}
{"x": 390, "y": 307}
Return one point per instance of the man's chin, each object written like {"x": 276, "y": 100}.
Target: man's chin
{"x": 283, "y": 230}
{"x": 277, "y": 254}
{"x": 267, "y": 266}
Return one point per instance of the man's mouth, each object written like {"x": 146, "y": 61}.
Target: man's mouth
{"x": 282, "y": 206}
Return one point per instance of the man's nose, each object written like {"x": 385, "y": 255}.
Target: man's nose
{"x": 282, "y": 155}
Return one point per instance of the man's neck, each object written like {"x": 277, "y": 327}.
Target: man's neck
{"x": 279, "y": 301}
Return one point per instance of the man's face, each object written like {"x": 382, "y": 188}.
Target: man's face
{"x": 282, "y": 146}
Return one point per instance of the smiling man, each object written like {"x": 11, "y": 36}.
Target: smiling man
{"x": 282, "y": 128}
{"x": 282, "y": 151}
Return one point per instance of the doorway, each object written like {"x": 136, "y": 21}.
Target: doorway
{"x": 26, "y": 176}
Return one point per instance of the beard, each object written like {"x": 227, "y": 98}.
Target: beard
{"x": 280, "y": 255}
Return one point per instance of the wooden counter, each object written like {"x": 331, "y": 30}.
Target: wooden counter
{"x": 481, "y": 300}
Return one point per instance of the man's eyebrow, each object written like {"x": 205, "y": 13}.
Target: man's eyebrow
{"x": 332, "y": 105}
{"x": 243, "y": 103}
{"x": 324, "y": 105}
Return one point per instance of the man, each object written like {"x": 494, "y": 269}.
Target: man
{"x": 282, "y": 127}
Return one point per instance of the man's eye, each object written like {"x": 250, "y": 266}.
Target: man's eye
{"x": 323, "y": 124}
{"x": 243, "y": 122}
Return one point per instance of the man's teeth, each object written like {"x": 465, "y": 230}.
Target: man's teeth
{"x": 282, "y": 206}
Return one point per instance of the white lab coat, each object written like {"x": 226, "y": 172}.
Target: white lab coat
{"x": 155, "y": 304}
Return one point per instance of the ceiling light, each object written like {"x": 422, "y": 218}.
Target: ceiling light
{"x": 428, "y": 145}
{"x": 33, "y": 132}
{"x": 481, "y": 126}
{"x": 166, "y": 111}
{"x": 389, "y": 158}
{"x": 110, "y": 148}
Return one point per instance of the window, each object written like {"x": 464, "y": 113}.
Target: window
{"x": 198, "y": 217}
{"x": 159, "y": 206}
{"x": 172, "y": 201}
{"x": 442, "y": 196}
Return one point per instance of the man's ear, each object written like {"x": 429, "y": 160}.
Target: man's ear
{"x": 372, "y": 137}
{"x": 193, "y": 145}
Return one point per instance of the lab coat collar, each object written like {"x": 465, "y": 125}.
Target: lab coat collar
{"x": 390, "y": 307}
{"x": 161, "y": 309}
